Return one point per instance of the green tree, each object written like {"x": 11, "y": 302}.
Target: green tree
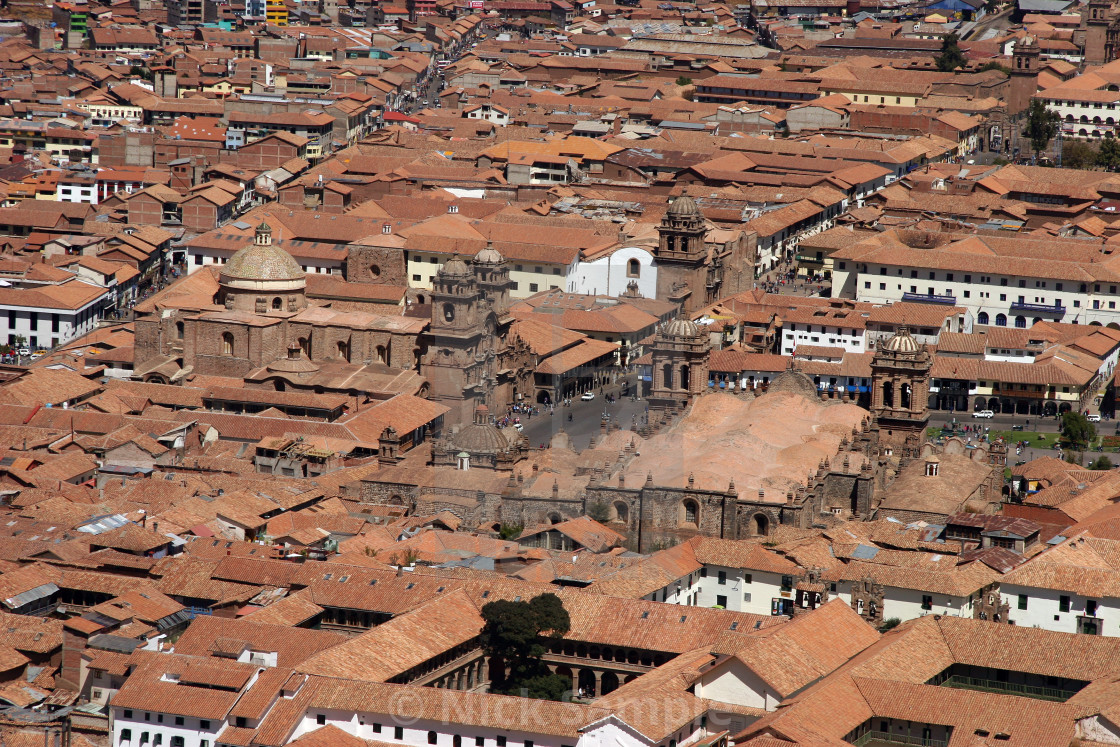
{"x": 1108, "y": 155}
{"x": 951, "y": 56}
{"x": 1077, "y": 432}
{"x": 1102, "y": 462}
{"x": 510, "y": 531}
{"x": 890, "y": 622}
{"x": 599, "y": 511}
{"x": 684, "y": 81}
{"x": 993, "y": 65}
{"x": 1078, "y": 154}
{"x": 514, "y": 637}
{"x": 1042, "y": 125}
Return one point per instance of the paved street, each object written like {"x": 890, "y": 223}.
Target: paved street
{"x": 585, "y": 418}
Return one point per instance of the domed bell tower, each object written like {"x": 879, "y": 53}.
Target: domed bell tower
{"x": 900, "y": 371}
{"x": 680, "y": 365}
{"x": 681, "y": 255}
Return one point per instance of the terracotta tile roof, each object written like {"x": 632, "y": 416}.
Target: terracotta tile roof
{"x": 292, "y": 645}
{"x": 405, "y": 642}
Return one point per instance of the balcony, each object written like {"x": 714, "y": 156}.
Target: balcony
{"x": 1009, "y": 688}
{"x": 1038, "y": 308}
{"x": 876, "y": 738}
{"x": 930, "y": 298}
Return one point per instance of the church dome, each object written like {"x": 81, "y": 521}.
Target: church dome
{"x": 455, "y": 266}
{"x": 684, "y": 207}
{"x": 296, "y": 363}
{"x": 681, "y": 327}
{"x": 794, "y": 381}
{"x": 479, "y": 437}
{"x": 902, "y": 342}
{"x": 489, "y": 256}
{"x": 262, "y": 262}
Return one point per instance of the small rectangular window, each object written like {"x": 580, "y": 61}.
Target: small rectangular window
{"x": 927, "y": 602}
{"x": 721, "y": 601}
{"x": 1063, "y": 603}
{"x": 722, "y": 578}
{"x": 1022, "y": 601}
{"x": 204, "y": 725}
{"x": 398, "y": 732}
{"x": 321, "y": 719}
{"x": 480, "y": 742}
{"x": 500, "y": 741}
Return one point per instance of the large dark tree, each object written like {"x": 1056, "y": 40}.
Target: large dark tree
{"x": 514, "y": 637}
{"x": 1077, "y": 432}
{"x": 951, "y": 56}
{"x": 1042, "y": 125}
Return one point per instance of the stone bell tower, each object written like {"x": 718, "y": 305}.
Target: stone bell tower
{"x": 455, "y": 357}
{"x": 681, "y": 256}
{"x": 900, "y": 391}
{"x": 680, "y": 365}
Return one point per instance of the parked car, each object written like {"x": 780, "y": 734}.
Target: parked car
{"x": 40, "y": 353}
{"x": 24, "y": 351}
{"x": 1094, "y": 418}
{"x": 983, "y": 414}
{"x": 588, "y": 396}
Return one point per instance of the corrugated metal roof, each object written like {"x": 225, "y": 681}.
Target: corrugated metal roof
{"x": 26, "y": 597}
{"x": 104, "y": 524}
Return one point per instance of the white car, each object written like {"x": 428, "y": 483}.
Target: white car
{"x": 24, "y": 351}
{"x": 1094, "y": 418}
{"x": 983, "y": 414}
{"x": 588, "y": 396}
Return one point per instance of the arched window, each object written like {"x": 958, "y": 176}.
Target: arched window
{"x": 277, "y": 304}
{"x": 179, "y": 330}
{"x": 760, "y": 525}
{"x": 684, "y": 376}
{"x": 904, "y": 390}
{"x": 633, "y": 269}
{"x": 621, "y": 511}
{"x": 1001, "y": 320}
{"x": 381, "y": 354}
{"x": 888, "y": 394}
{"x": 344, "y": 350}
{"x": 227, "y": 343}
{"x": 456, "y": 741}
{"x": 667, "y": 376}
{"x": 432, "y": 737}
{"x": 982, "y": 317}
{"x": 1021, "y": 322}
{"x": 691, "y": 512}
{"x": 305, "y": 346}
{"x": 448, "y": 312}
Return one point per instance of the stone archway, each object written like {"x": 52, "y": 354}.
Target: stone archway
{"x": 760, "y": 525}
{"x": 608, "y": 682}
{"x": 587, "y": 683}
